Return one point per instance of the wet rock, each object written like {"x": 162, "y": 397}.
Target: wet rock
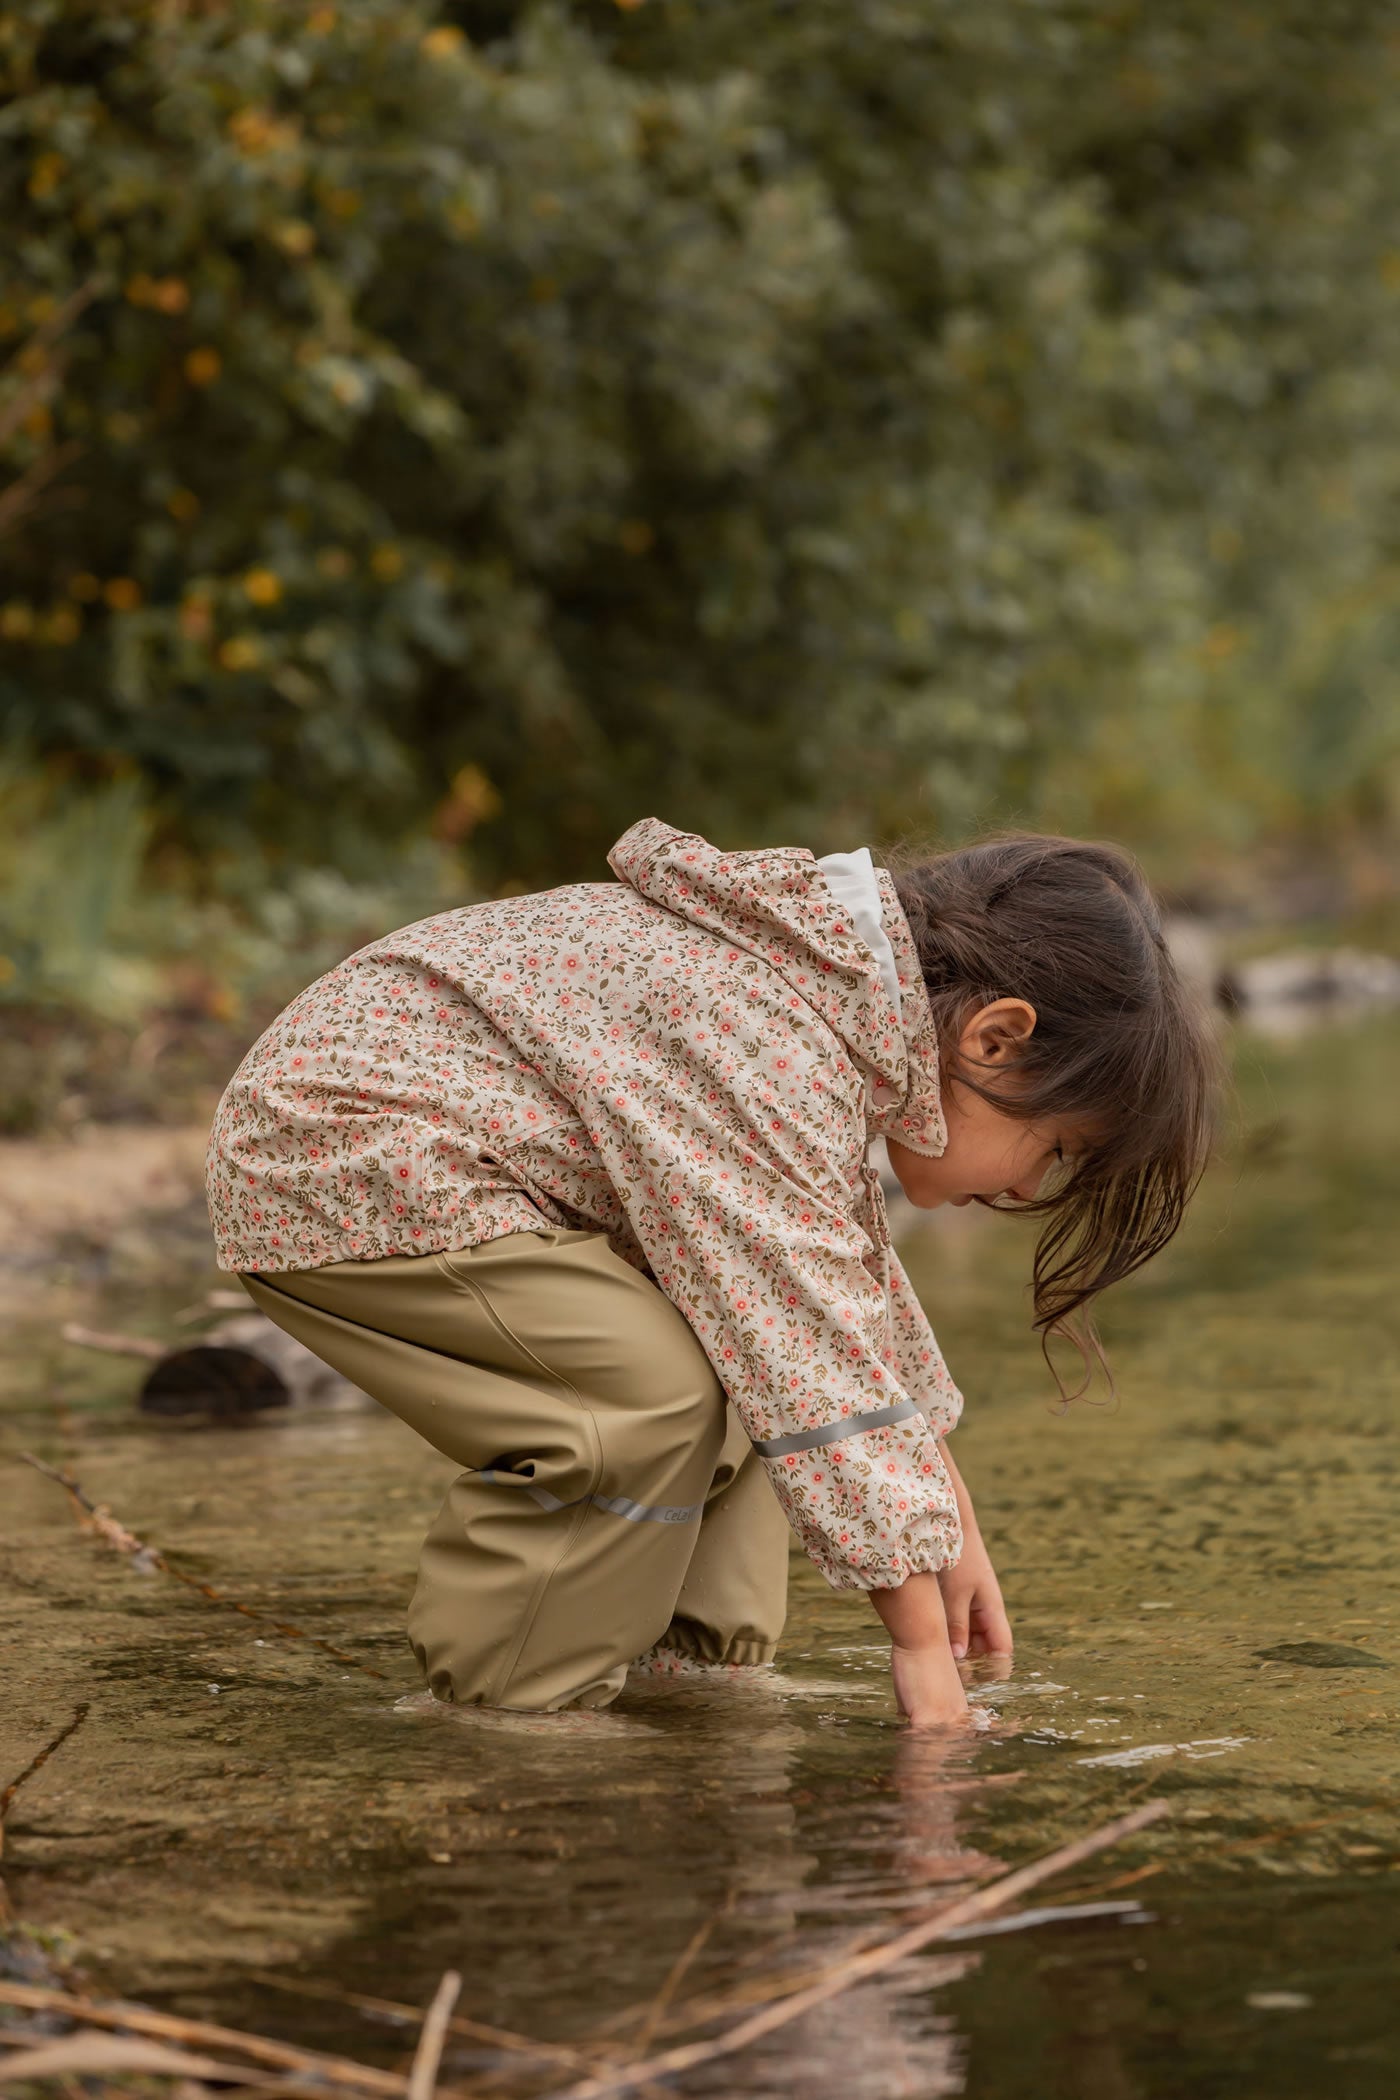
{"x": 241, "y": 1366}
{"x": 1322, "y": 1655}
{"x": 1282, "y": 990}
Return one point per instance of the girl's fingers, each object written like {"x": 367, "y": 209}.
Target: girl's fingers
{"x": 991, "y": 1629}
{"x": 956, "y": 1610}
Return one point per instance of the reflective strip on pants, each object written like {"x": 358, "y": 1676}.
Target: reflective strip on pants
{"x": 634, "y": 1512}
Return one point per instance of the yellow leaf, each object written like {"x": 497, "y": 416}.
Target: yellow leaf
{"x": 470, "y": 800}
{"x": 122, "y": 593}
{"x": 47, "y": 174}
{"x": 294, "y": 236}
{"x": 255, "y": 130}
{"x": 442, "y": 43}
{"x": 203, "y": 366}
{"x": 262, "y": 586}
{"x": 63, "y": 625}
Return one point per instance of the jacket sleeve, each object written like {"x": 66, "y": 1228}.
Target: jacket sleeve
{"x": 918, "y": 1358}
{"x": 752, "y": 1236}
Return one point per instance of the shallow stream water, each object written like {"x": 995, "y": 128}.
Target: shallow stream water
{"x": 257, "y": 1821}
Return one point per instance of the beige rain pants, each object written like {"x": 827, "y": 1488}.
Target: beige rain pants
{"x": 611, "y": 1500}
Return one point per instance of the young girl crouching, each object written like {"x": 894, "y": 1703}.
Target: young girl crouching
{"x": 579, "y": 1185}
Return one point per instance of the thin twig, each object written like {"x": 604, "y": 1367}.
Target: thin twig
{"x": 142, "y": 2019}
{"x": 41, "y": 1757}
{"x": 94, "y": 2053}
{"x": 839, "y": 1976}
{"x": 646, "y": 2034}
{"x": 472, "y": 2030}
{"x": 422, "y": 2079}
{"x": 96, "y": 1516}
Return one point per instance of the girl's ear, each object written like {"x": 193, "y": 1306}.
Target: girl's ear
{"x": 996, "y": 1033}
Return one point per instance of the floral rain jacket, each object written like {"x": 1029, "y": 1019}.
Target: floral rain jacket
{"x": 692, "y": 1060}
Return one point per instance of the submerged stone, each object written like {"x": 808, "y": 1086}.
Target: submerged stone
{"x": 1322, "y": 1655}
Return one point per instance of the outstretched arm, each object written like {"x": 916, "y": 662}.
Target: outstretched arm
{"x": 934, "y": 1620}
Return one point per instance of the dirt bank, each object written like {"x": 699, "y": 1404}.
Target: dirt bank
{"x": 73, "y": 1203}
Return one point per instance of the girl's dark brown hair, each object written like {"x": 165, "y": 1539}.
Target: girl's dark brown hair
{"x": 1119, "y": 1043}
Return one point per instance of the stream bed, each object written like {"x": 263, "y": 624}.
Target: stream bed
{"x": 259, "y": 1821}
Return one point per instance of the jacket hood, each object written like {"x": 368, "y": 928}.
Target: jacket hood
{"x": 778, "y": 904}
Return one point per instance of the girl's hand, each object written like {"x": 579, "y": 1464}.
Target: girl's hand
{"x": 926, "y": 1680}
{"x": 928, "y": 1687}
{"x": 977, "y": 1621}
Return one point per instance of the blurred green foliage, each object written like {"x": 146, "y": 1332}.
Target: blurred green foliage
{"x": 492, "y": 423}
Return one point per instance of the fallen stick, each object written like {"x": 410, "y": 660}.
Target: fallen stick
{"x": 211, "y": 1302}
{"x": 422, "y": 2078}
{"x": 41, "y": 1758}
{"x": 1047, "y": 1914}
{"x": 36, "y": 1763}
{"x": 149, "y": 1559}
{"x": 93, "y": 2052}
{"x": 142, "y": 2019}
{"x": 117, "y": 1344}
{"x": 646, "y": 2034}
{"x": 472, "y": 2030}
{"x": 855, "y": 1968}
{"x": 95, "y": 1516}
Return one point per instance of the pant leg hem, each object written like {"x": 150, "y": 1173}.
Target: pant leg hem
{"x": 702, "y": 1644}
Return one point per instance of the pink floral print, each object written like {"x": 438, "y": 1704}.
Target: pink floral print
{"x": 691, "y": 1060}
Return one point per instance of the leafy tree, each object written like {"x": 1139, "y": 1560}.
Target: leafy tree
{"x": 796, "y": 419}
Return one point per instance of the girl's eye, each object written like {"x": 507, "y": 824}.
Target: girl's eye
{"x": 1060, "y": 1154}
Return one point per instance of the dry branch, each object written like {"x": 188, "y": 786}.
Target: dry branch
{"x": 142, "y": 2019}
{"x": 655, "y": 2012}
{"x": 94, "y": 2053}
{"x": 96, "y": 1516}
{"x": 40, "y": 1759}
{"x": 118, "y": 1344}
{"x": 839, "y": 1976}
{"x": 472, "y": 2030}
{"x": 422, "y": 2079}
